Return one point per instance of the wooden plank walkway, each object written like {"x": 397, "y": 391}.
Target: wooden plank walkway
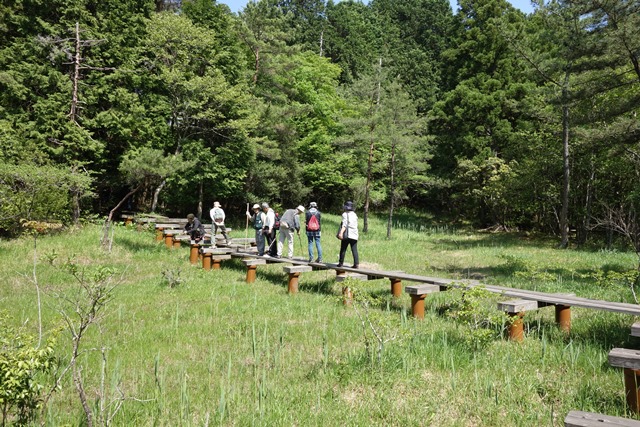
{"x": 548, "y": 298}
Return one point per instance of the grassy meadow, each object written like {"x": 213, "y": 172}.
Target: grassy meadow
{"x": 214, "y": 350}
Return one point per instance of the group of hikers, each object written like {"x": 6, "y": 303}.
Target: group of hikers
{"x": 266, "y": 222}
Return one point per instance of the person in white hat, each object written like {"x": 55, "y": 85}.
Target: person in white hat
{"x": 258, "y": 220}
{"x": 288, "y": 222}
{"x": 217, "y": 222}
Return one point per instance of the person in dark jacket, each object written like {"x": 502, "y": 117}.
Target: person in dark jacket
{"x": 257, "y": 220}
{"x": 194, "y": 228}
{"x": 313, "y": 226}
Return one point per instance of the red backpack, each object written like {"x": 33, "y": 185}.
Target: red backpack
{"x": 314, "y": 224}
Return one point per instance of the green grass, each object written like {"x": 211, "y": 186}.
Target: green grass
{"x": 217, "y": 351}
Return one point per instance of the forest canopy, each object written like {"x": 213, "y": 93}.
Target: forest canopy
{"x": 483, "y": 114}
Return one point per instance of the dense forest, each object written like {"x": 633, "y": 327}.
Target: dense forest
{"x": 483, "y": 115}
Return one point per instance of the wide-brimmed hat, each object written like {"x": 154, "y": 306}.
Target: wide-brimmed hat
{"x": 256, "y": 206}
{"x": 348, "y": 205}
{"x": 216, "y": 204}
{"x": 313, "y": 205}
{"x": 300, "y": 208}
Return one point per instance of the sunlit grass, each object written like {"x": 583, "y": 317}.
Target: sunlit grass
{"x": 217, "y": 351}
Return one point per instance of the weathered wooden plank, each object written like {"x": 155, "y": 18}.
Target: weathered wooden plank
{"x": 296, "y": 269}
{"x": 215, "y": 251}
{"x": 354, "y": 276}
{"x": 590, "y": 419}
{"x": 256, "y": 261}
{"x": 624, "y": 358}
{"x": 421, "y": 289}
{"x": 518, "y": 305}
{"x": 635, "y": 329}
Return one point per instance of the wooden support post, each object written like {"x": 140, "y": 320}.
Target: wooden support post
{"x": 168, "y": 240}
{"x": 176, "y": 242}
{"x": 193, "y": 254}
{"x": 516, "y": 309}
{"x": 206, "y": 261}
{"x": 418, "y": 294}
{"x": 631, "y": 386}
{"x": 516, "y": 329}
{"x": 251, "y": 273}
{"x": 292, "y": 286}
{"x": 417, "y": 305}
{"x": 629, "y": 360}
{"x": 396, "y": 287}
{"x": 252, "y": 266}
{"x": 347, "y": 296}
{"x": 159, "y": 234}
{"x": 563, "y": 317}
{"x": 294, "y": 274}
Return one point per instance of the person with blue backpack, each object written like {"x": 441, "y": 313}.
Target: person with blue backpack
{"x": 313, "y": 230}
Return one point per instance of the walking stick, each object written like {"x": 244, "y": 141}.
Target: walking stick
{"x": 300, "y": 240}
{"x": 246, "y": 231}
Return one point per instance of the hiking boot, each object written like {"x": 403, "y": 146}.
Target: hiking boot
{"x": 339, "y": 265}
{"x": 318, "y": 260}
{"x": 354, "y": 266}
{"x": 311, "y": 260}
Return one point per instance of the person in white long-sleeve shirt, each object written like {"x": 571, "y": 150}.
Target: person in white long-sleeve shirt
{"x": 269, "y": 229}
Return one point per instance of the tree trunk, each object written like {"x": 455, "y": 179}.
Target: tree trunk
{"x": 76, "y": 77}
{"x": 156, "y": 193}
{"x": 200, "y": 196}
{"x": 566, "y": 176}
{"x": 393, "y": 189}
{"x": 107, "y": 223}
{"x": 367, "y": 191}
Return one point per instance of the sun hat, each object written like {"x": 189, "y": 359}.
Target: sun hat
{"x": 300, "y": 208}
{"x": 348, "y": 205}
{"x": 313, "y": 205}
{"x": 216, "y": 204}
{"x": 256, "y": 206}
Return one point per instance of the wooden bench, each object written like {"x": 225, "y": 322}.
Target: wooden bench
{"x": 418, "y": 294}
{"x": 517, "y": 307}
{"x": 590, "y": 419}
{"x": 294, "y": 273}
{"x": 629, "y": 360}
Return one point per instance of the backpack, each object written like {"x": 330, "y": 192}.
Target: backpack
{"x": 313, "y": 224}
{"x": 276, "y": 224}
{"x": 217, "y": 215}
{"x": 257, "y": 223}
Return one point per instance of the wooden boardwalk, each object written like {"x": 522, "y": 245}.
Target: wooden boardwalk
{"x": 543, "y": 297}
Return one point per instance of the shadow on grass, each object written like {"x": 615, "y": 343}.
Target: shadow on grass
{"x": 135, "y": 245}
